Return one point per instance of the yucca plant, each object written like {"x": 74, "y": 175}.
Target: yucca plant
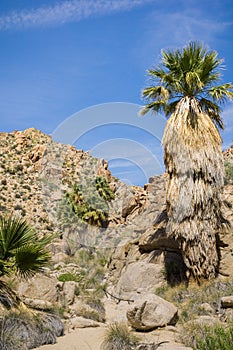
{"x": 185, "y": 88}
{"x": 21, "y": 249}
{"x": 88, "y": 200}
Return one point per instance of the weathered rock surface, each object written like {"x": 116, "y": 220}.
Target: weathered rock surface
{"x": 139, "y": 277}
{"x": 227, "y": 301}
{"x": 38, "y": 304}
{"x": 81, "y": 322}
{"x": 39, "y": 287}
{"x": 34, "y": 174}
{"x": 151, "y": 312}
{"x": 226, "y": 236}
{"x": 173, "y": 346}
{"x": 67, "y": 291}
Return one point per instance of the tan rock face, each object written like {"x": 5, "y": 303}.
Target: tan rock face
{"x": 226, "y": 236}
{"x": 140, "y": 277}
{"x": 39, "y": 287}
{"x": 68, "y": 292}
{"x": 227, "y": 301}
{"x": 151, "y": 312}
{"x": 81, "y": 322}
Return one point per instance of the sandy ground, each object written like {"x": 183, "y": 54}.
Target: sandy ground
{"x": 79, "y": 339}
{"x": 90, "y": 338}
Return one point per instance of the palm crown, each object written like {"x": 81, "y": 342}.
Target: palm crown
{"x": 192, "y": 72}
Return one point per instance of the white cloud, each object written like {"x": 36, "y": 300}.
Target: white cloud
{"x": 66, "y": 11}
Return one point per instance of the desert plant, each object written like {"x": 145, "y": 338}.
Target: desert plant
{"x": 118, "y": 337}
{"x": 185, "y": 90}
{"x": 203, "y": 337}
{"x": 228, "y": 172}
{"x": 24, "y": 330}
{"x": 189, "y": 299}
{"x": 21, "y": 250}
{"x": 88, "y": 201}
{"x": 68, "y": 276}
{"x": 8, "y": 340}
{"x": 104, "y": 189}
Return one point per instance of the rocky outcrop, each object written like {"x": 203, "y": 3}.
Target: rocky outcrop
{"x": 139, "y": 277}
{"x": 151, "y": 312}
{"x": 35, "y": 174}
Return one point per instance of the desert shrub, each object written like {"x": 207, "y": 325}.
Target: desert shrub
{"x": 8, "y": 340}
{"x": 118, "y": 337}
{"x": 189, "y": 299}
{"x": 22, "y": 331}
{"x": 68, "y": 276}
{"x": 228, "y": 172}
{"x": 103, "y": 188}
{"x": 88, "y": 201}
{"x": 97, "y": 312}
{"x": 214, "y": 337}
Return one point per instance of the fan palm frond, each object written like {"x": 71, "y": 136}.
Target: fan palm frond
{"x": 20, "y": 247}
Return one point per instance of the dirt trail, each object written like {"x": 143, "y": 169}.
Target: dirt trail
{"x": 79, "y": 339}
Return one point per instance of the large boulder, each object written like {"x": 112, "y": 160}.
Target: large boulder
{"x": 67, "y": 291}
{"x": 140, "y": 277}
{"x": 227, "y": 302}
{"x": 151, "y": 312}
{"x": 40, "y": 287}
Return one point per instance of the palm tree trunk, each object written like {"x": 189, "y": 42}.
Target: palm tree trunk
{"x": 194, "y": 163}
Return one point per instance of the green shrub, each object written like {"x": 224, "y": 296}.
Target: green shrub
{"x": 88, "y": 201}
{"x": 67, "y": 277}
{"x": 228, "y": 172}
{"x": 118, "y": 337}
{"x": 211, "y": 338}
{"x": 189, "y": 299}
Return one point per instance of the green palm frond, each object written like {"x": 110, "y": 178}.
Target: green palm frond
{"x": 221, "y": 93}
{"x": 155, "y": 92}
{"x": 154, "y": 106}
{"x": 20, "y": 247}
{"x": 14, "y": 232}
{"x": 191, "y": 72}
{"x": 30, "y": 258}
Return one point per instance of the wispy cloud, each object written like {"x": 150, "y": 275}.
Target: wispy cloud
{"x": 66, "y": 11}
{"x": 169, "y": 28}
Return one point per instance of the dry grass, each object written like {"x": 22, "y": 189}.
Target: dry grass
{"x": 189, "y": 299}
{"x": 118, "y": 337}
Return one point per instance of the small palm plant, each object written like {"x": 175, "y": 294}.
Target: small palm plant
{"x": 21, "y": 250}
{"x": 186, "y": 89}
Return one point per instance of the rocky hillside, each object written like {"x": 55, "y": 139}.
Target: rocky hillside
{"x": 37, "y": 174}
{"x": 65, "y": 192}
{"x": 42, "y": 180}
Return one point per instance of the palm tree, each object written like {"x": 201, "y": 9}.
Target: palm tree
{"x": 21, "y": 250}
{"x": 185, "y": 89}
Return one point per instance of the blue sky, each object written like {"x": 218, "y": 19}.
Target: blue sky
{"x": 60, "y": 57}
